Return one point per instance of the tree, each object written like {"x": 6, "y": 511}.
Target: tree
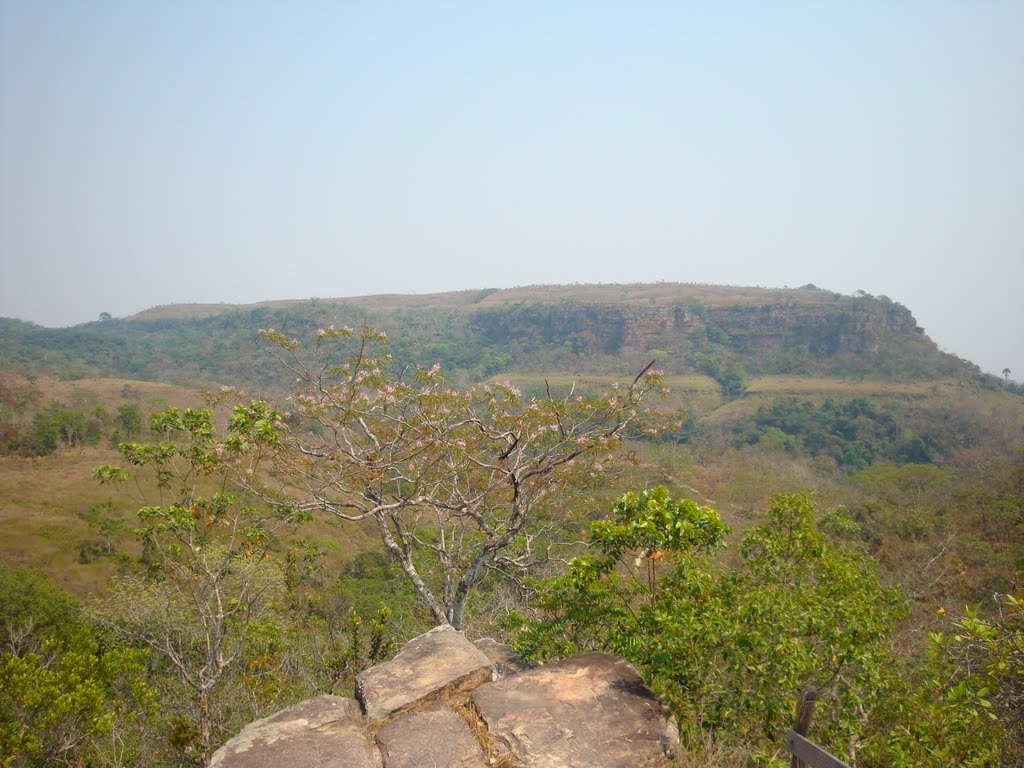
{"x": 65, "y": 697}
{"x": 34, "y": 609}
{"x": 728, "y": 646}
{"x": 129, "y": 420}
{"x": 211, "y": 574}
{"x": 989, "y": 653}
{"x": 455, "y": 480}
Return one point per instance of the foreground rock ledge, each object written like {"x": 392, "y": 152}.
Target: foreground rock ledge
{"x": 587, "y": 711}
{"x": 325, "y": 732}
{"x": 436, "y": 736}
{"x": 436, "y": 662}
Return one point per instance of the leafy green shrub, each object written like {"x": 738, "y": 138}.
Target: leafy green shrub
{"x": 728, "y": 646}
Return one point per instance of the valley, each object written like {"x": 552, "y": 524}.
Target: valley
{"x": 911, "y": 459}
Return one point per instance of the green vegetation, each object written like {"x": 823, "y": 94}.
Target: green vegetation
{"x": 879, "y": 594}
{"x": 220, "y": 620}
{"x": 854, "y": 433}
{"x": 30, "y": 426}
{"x": 210, "y": 577}
{"x": 64, "y": 693}
{"x": 112, "y": 685}
{"x": 730, "y": 645}
{"x": 729, "y": 334}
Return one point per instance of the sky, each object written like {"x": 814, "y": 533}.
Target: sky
{"x": 219, "y": 151}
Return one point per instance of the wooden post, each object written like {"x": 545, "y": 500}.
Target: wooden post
{"x": 807, "y": 753}
{"x": 804, "y": 713}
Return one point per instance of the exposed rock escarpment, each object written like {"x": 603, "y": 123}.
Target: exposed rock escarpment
{"x": 436, "y": 704}
{"x": 855, "y": 327}
{"x": 595, "y": 329}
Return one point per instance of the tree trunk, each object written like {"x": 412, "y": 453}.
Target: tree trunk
{"x": 205, "y": 735}
{"x": 405, "y": 560}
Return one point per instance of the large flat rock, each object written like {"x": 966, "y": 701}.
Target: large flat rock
{"x": 427, "y": 666}
{"x": 325, "y": 732}
{"x": 432, "y": 738}
{"x": 587, "y": 711}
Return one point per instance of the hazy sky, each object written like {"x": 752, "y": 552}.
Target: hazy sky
{"x": 158, "y": 152}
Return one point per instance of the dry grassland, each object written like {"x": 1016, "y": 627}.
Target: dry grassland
{"x": 42, "y": 498}
{"x": 40, "y": 502}
{"x": 115, "y": 392}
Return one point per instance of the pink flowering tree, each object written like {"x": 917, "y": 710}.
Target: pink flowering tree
{"x": 452, "y": 478}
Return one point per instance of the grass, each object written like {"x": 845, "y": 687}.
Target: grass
{"x": 806, "y": 385}
{"x": 42, "y": 498}
{"x": 700, "y": 395}
{"x": 941, "y": 394}
{"x": 694, "y": 393}
{"x": 114, "y": 392}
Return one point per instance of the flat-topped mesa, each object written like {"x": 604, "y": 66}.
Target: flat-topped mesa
{"x": 445, "y": 701}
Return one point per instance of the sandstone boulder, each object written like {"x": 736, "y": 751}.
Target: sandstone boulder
{"x": 436, "y": 662}
{"x": 587, "y": 711}
{"x": 433, "y": 738}
{"x": 325, "y": 732}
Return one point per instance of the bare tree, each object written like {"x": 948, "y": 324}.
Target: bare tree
{"x": 452, "y": 478}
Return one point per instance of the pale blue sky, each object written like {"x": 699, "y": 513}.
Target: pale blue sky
{"x": 157, "y": 152}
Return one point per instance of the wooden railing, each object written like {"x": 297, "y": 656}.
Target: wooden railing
{"x": 805, "y": 753}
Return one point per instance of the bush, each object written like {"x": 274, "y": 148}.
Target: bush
{"x": 728, "y": 646}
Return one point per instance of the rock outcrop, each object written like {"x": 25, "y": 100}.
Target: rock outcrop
{"x": 439, "y": 661}
{"x": 586, "y": 710}
{"x": 443, "y": 701}
{"x": 824, "y": 328}
{"x": 318, "y": 733}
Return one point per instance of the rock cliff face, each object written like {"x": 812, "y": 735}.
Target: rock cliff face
{"x": 844, "y": 326}
{"x": 602, "y": 330}
{"x": 443, "y": 701}
{"x": 829, "y": 335}
{"x": 854, "y": 328}
{"x": 611, "y": 328}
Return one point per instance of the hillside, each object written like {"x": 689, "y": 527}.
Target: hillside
{"x": 789, "y": 368}
{"x": 910, "y": 454}
{"x": 725, "y": 332}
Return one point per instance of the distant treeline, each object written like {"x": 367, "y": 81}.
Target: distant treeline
{"x": 32, "y": 425}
